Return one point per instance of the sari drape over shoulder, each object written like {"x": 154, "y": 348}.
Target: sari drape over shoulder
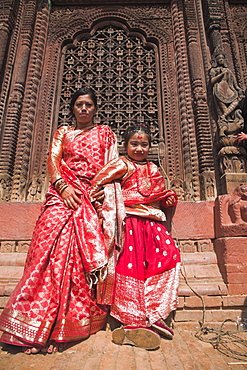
{"x": 54, "y": 299}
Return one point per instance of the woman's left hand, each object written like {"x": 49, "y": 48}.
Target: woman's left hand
{"x": 71, "y": 197}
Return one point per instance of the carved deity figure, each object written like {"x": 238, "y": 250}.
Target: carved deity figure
{"x": 227, "y": 96}
{"x": 237, "y": 204}
{"x": 177, "y": 186}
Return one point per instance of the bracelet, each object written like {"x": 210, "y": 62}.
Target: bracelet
{"x": 60, "y": 185}
{"x": 54, "y": 183}
{"x": 63, "y": 188}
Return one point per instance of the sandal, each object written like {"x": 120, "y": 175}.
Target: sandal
{"x": 161, "y": 327}
{"x": 136, "y": 336}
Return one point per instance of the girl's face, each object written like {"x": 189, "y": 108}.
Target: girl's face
{"x": 138, "y": 146}
{"x": 84, "y": 111}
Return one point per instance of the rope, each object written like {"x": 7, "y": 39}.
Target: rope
{"x": 229, "y": 343}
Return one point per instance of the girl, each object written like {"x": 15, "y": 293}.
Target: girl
{"x": 147, "y": 269}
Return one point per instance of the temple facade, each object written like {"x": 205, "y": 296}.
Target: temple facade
{"x": 178, "y": 65}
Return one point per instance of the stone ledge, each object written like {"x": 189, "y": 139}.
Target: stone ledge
{"x": 12, "y": 259}
{"x": 211, "y": 315}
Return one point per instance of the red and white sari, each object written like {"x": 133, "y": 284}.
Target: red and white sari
{"x": 54, "y": 300}
{"x": 143, "y": 287}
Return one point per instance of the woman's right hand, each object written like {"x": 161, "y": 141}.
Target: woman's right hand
{"x": 71, "y": 197}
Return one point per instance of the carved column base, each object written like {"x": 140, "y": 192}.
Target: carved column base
{"x": 231, "y": 254}
{"x": 229, "y": 181}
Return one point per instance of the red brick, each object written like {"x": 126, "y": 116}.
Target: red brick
{"x": 14, "y": 226}
{"x": 9, "y": 289}
{"x": 236, "y": 289}
{"x": 239, "y": 269}
{"x": 201, "y": 271}
{"x": 202, "y": 288}
{"x": 195, "y": 302}
{"x": 189, "y": 315}
{"x": 234, "y": 301}
{"x": 180, "y": 302}
{"x": 237, "y": 278}
{"x": 14, "y": 272}
{"x": 12, "y": 259}
{"x": 3, "y": 301}
{"x": 196, "y": 214}
{"x": 222, "y": 315}
{"x": 205, "y": 258}
{"x": 231, "y": 250}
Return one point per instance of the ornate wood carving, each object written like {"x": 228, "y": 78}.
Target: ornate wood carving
{"x": 9, "y": 128}
{"x": 27, "y": 120}
{"x": 172, "y": 72}
{"x": 201, "y": 113}
{"x": 190, "y": 155}
{"x": 74, "y": 20}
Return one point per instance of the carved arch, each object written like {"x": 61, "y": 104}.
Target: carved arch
{"x": 153, "y": 24}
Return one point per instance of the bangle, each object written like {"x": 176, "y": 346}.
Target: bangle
{"x": 54, "y": 183}
{"x": 60, "y": 185}
{"x": 63, "y": 188}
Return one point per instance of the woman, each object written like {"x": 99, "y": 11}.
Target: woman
{"x": 54, "y": 301}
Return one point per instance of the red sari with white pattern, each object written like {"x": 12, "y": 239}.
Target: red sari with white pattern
{"x": 53, "y": 300}
{"x": 147, "y": 271}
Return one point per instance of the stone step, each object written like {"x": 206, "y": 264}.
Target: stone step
{"x": 200, "y": 273}
{"x": 12, "y": 259}
{"x": 203, "y": 288}
{"x": 10, "y": 273}
{"x": 202, "y": 258}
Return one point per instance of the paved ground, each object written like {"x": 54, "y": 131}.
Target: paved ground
{"x": 98, "y": 352}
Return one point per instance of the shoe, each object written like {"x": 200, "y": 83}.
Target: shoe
{"x": 161, "y": 327}
{"x": 136, "y": 336}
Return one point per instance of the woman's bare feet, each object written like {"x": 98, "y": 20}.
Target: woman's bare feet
{"x": 51, "y": 348}
{"x": 30, "y": 351}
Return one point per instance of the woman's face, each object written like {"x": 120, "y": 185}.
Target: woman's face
{"x": 138, "y": 146}
{"x": 84, "y": 111}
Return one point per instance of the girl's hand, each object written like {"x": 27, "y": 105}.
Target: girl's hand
{"x": 170, "y": 201}
{"x": 71, "y": 197}
{"x": 96, "y": 195}
{"x": 100, "y": 195}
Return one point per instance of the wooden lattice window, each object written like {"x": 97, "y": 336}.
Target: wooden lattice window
{"x": 121, "y": 68}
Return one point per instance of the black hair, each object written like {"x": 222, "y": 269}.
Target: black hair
{"x": 83, "y": 91}
{"x": 131, "y": 130}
